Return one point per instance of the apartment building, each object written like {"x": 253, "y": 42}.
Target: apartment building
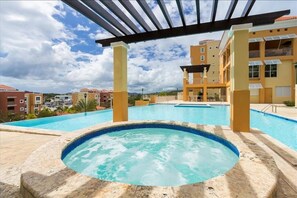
{"x": 86, "y": 94}
{"x": 12, "y": 101}
{"x": 33, "y": 102}
{"x": 101, "y": 96}
{"x": 272, "y": 54}
{"x": 206, "y": 53}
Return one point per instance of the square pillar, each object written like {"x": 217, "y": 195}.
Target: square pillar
{"x": 204, "y": 85}
{"x": 120, "y": 94}
{"x": 185, "y": 82}
{"x": 239, "y": 72}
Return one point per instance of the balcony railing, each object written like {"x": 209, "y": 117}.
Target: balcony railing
{"x": 254, "y": 53}
{"x": 279, "y": 52}
{"x": 12, "y": 103}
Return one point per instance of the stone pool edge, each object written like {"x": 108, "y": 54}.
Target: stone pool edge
{"x": 45, "y": 175}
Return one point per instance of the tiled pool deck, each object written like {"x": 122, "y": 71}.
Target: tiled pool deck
{"x": 259, "y": 149}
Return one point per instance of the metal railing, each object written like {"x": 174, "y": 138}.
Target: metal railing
{"x": 279, "y": 52}
{"x": 273, "y": 108}
{"x": 254, "y": 53}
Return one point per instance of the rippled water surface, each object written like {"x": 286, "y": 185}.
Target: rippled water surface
{"x": 151, "y": 156}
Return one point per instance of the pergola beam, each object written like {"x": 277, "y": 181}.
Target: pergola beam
{"x": 143, "y": 4}
{"x": 260, "y": 19}
{"x": 198, "y": 11}
{"x": 165, "y": 12}
{"x": 108, "y": 17}
{"x": 119, "y": 13}
{"x": 214, "y": 10}
{"x": 128, "y": 6}
{"x": 181, "y": 11}
{"x": 231, "y": 9}
{"x": 78, "y": 6}
{"x": 248, "y": 8}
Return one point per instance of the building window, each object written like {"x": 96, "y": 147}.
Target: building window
{"x": 210, "y": 48}
{"x": 283, "y": 91}
{"x": 21, "y": 101}
{"x": 270, "y": 71}
{"x": 202, "y": 50}
{"x": 10, "y": 108}
{"x": 202, "y": 58}
{"x": 22, "y": 108}
{"x": 36, "y": 106}
{"x": 254, "y": 71}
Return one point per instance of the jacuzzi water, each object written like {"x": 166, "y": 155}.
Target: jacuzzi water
{"x": 152, "y": 157}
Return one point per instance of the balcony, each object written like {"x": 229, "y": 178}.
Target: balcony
{"x": 254, "y": 53}
{"x": 11, "y": 103}
{"x": 279, "y": 52}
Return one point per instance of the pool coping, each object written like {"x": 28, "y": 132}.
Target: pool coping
{"x": 45, "y": 175}
{"x": 29, "y": 130}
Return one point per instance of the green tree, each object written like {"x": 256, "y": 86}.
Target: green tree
{"x": 89, "y": 106}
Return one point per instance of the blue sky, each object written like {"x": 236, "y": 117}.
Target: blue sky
{"x": 46, "y": 46}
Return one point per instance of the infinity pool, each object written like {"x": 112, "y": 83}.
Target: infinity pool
{"x": 151, "y": 155}
{"x": 282, "y": 129}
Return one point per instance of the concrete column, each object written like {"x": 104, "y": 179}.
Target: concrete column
{"x": 262, "y": 73}
{"x": 120, "y": 94}
{"x": 204, "y": 85}
{"x": 185, "y": 82}
{"x": 295, "y": 65}
{"x": 239, "y": 87}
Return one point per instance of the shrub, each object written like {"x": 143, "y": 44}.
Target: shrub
{"x": 289, "y": 103}
{"x": 46, "y": 113}
{"x": 31, "y": 116}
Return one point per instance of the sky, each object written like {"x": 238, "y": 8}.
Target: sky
{"x": 46, "y": 46}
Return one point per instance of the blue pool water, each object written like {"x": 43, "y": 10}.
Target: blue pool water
{"x": 151, "y": 155}
{"x": 281, "y": 129}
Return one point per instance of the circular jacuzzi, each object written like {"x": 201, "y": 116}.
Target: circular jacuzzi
{"x": 151, "y": 154}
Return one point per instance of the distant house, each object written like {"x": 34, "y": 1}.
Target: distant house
{"x": 12, "y": 101}
{"x": 33, "y": 102}
{"x": 101, "y": 96}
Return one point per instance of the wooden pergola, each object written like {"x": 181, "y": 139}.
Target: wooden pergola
{"x": 102, "y": 12}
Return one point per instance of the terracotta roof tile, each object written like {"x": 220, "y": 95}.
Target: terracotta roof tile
{"x": 285, "y": 18}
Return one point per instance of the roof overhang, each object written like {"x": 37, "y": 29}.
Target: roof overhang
{"x": 195, "y": 68}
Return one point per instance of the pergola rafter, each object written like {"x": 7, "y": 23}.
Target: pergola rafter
{"x": 108, "y": 17}
{"x": 214, "y": 10}
{"x": 248, "y": 7}
{"x": 231, "y": 9}
{"x": 119, "y": 13}
{"x": 165, "y": 12}
{"x": 104, "y": 17}
{"x": 181, "y": 11}
{"x": 198, "y": 11}
{"x": 128, "y": 6}
{"x": 143, "y": 4}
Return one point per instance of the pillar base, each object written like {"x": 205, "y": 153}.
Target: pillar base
{"x": 240, "y": 110}
{"x": 120, "y": 106}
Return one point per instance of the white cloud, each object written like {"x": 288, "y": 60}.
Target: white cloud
{"x": 100, "y": 34}
{"x": 80, "y": 27}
